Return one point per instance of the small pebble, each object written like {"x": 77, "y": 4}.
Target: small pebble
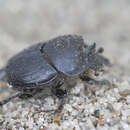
{"x": 96, "y": 113}
{"x": 110, "y": 107}
{"x": 124, "y": 89}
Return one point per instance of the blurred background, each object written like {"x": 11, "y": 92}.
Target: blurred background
{"x": 106, "y": 22}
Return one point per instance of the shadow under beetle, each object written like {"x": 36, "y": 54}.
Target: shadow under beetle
{"x": 52, "y": 64}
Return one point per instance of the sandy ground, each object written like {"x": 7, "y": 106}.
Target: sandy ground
{"x": 23, "y": 23}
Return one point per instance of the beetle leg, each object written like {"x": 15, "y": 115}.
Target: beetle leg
{"x": 92, "y": 81}
{"x": 10, "y": 98}
{"x": 61, "y": 105}
{"x": 61, "y": 95}
{"x": 62, "y": 99}
{"x": 22, "y": 95}
{"x": 30, "y": 94}
{"x": 25, "y": 96}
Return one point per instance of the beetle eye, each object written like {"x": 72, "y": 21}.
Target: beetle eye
{"x": 41, "y": 48}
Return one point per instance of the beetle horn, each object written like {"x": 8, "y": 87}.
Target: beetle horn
{"x": 90, "y": 50}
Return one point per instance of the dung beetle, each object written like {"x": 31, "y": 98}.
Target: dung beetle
{"x": 51, "y": 65}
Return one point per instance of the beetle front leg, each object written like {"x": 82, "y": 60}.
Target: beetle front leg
{"x": 92, "y": 81}
{"x": 95, "y": 85}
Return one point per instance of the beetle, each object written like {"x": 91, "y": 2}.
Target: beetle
{"x": 52, "y": 64}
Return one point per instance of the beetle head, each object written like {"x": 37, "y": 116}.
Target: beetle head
{"x": 91, "y": 50}
{"x": 94, "y": 59}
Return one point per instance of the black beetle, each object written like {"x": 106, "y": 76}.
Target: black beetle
{"x": 52, "y": 64}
